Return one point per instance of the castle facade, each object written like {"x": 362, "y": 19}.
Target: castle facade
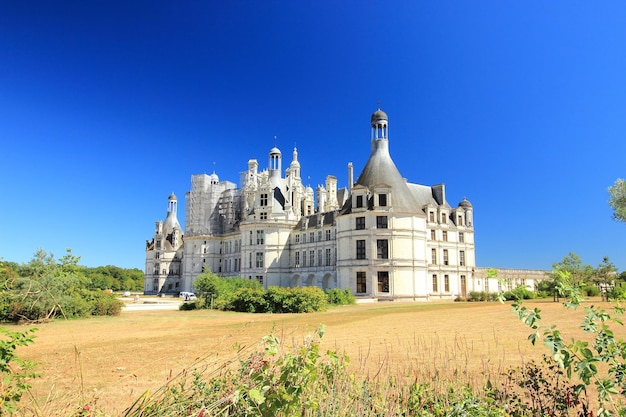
{"x": 382, "y": 237}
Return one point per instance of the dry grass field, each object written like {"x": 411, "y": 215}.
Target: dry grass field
{"x": 112, "y": 360}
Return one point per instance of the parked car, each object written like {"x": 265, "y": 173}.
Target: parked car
{"x": 187, "y": 296}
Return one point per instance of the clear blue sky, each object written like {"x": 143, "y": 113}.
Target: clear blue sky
{"x": 106, "y": 107}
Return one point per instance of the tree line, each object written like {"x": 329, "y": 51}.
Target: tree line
{"x": 46, "y": 287}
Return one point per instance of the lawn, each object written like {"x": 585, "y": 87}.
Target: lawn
{"x": 113, "y": 360}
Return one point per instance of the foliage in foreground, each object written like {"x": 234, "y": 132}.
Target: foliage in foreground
{"x": 15, "y": 372}
{"x": 303, "y": 381}
{"x": 600, "y": 363}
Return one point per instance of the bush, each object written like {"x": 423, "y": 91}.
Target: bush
{"x": 249, "y": 300}
{"x": 520, "y": 293}
{"x": 336, "y": 296}
{"x": 103, "y": 304}
{"x": 591, "y": 291}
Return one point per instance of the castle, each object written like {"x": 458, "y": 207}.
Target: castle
{"x": 382, "y": 237}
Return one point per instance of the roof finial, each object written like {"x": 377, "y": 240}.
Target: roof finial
{"x": 378, "y": 102}
{"x": 274, "y": 141}
{"x": 214, "y": 167}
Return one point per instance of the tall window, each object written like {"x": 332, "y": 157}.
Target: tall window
{"x": 433, "y": 256}
{"x": 431, "y": 216}
{"x": 260, "y": 237}
{"x": 263, "y": 199}
{"x": 312, "y": 258}
{"x": 359, "y": 201}
{"x": 383, "y": 281}
{"x": 303, "y": 237}
{"x": 462, "y": 258}
{"x": 157, "y": 244}
{"x": 259, "y": 259}
{"x": 297, "y": 259}
{"x": 459, "y": 221}
{"x": 360, "y": 223}
{"x": 328, "y": 258}
{"x": 382, "y": 200}
{"x": 444, "y": 218}
{"x": 381, "y": 222}
{"x": 461, "y": 237}
{"x": 361, "y": 284}
{"x": 433, "y": 235}
{"x": 360, "y": 249}
{"x": 311, "y": 237}
{"x": 435, "y": 283}
{"x": 304, "y": 258}
{"x": 446, "y": 283}
{"x": 297, "y": 238}
{"x": 320, "y": 260}
{"x": 445, "y": 257}
{"x": 250, "y": 237}
{"x": 382, "y": 249}
{"x": 328, "y": 234}
{"x": 463, "y": 285}
{"x": 444, "y": 235}
{"x": 319, "y": 236}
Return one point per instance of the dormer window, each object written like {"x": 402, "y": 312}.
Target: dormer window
{"x": 444, "y": 218}
{"x": 359, "y": 201}
{"x": 382, "y": 200}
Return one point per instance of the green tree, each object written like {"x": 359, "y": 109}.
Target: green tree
{"x": 207, "y": 285}
{"x": 617, "y": 200}
{"x": 604, "y": 277}
{"x": 579, "y": 273}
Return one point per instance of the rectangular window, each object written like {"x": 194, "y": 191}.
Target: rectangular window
{"x": 263, "y": 215}
{"x": 360, "y": 249}
{"x": 359, "y": 201}
{"x": 312, "y": 258}
{"x": 328, "y": 258}
{"x": 157, "y": 244}
{"x": 444, "y": 218}
{"x": 319, "y": 236}
{"x": 381, "y": 222}
{"x": 260, "y": 279}
{"x": 382, "y": 200}
{"x": 250, "y": 237}
{"x": 382, "y": 249}
{"x": 462, "y": 258}
{"x": 445, "y": 256}
{"x": 361, "y": 285}
{"x": 435, "y": 283}
{"x": 297, "y": 238}
{"x": 328, "y": 234}
{"x": 260, "y": 237}
{"x": 263, "y": 200}
{"x": 433, "y": 235}
{"x": 259, "y": 259}
{"x": 461, "y": 237}
{"x": 463, "y": 285}
{"x": 304, "y": 258}
{"x": 444, "y": 236}
{"x": 433, "y": 256}
{"x": 360, "y": 223}
{"x": 446, "y": 283}
{"x": 157, "y": 255}
{"x": 431, "y": 216}
{"x": 460, "y": 221}
{"x": 250, "y": 261}
{"x": 303, "y": 237}
{"x": 383, "y": 281}
{"x": 297, "y": 259}
{"x": 311, "y": 237}
{"x": 320, "y": 260}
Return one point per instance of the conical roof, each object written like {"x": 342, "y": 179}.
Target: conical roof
{"x": 381, "y": 170}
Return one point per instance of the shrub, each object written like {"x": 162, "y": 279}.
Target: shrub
{"x": 520, "y": 293}
{"x": 15, "y": 373}
{"x": 336, "y": 296}
{"x": 591, "y": 291}
{"x": 249, "y": 300}
{"x": 103, "y": 304}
